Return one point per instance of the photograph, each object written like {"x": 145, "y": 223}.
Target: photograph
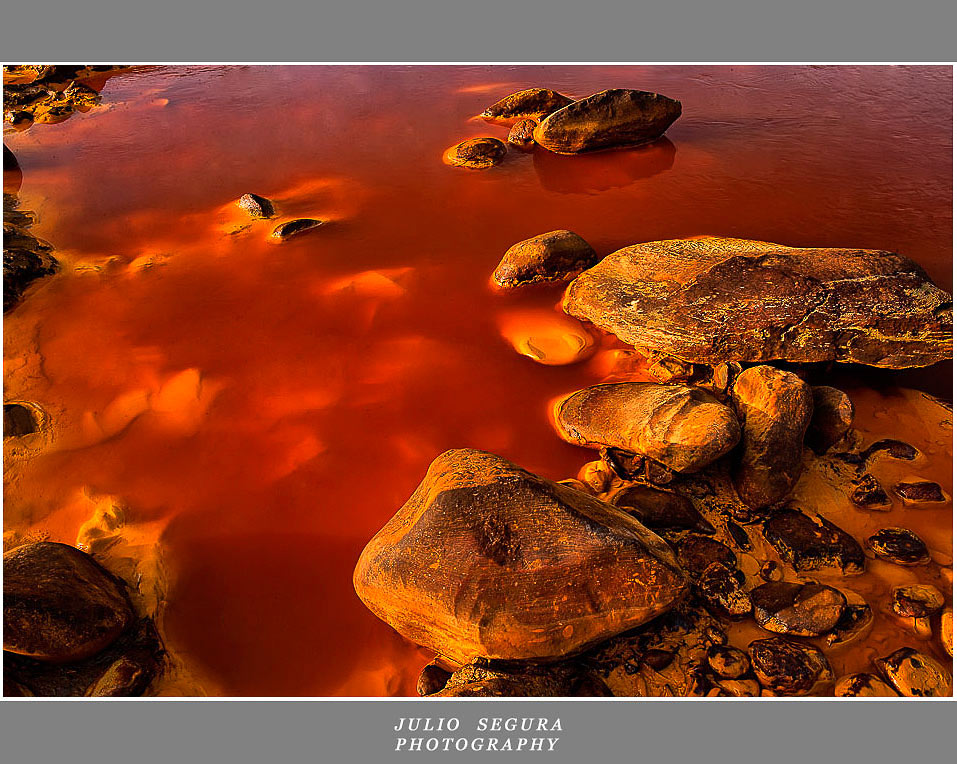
{"x": 478, "y": 380}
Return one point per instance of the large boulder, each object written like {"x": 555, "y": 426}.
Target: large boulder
{"x": 534, "y": 103}
{"x": 610, "y": 119}
{"x": 59, "y": 604}
{"x": 553, "y": 256}
{"x": 710, "y": 300}
{"x": 775, "y": 408}
{"x": 488, "y": 560}
{"x": 679, "y": 426}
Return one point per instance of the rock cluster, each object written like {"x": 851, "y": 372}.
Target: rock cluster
{"x": 612, "y": 119}
{"x": 25, "y": 257}
{"x": 48, "y": 94}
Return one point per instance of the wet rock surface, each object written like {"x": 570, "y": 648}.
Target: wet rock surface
{"x": 789, "y": 667}
{"x": 867, "y": 493}
{"x": 530, "y": 104}
{"x": 522, "y": 135}
{"x": 916, "y": 674}
{"x": 477, "y": 153}
{"x": 18, "y": 420}
{"x": 47, "y": 94}
{"x": 775, "y": 408}
{"x": 893, "y": 449}
{"x": 798, "y": 610}
{"x": 615, "y": 118}
{"x": 548, "y": 257}
{"x": 286, "y": 230}
{"x": 863, "y": 686}
{"x": 920, "y": 492}
{"x": 917, "y": 600}
{"x": 728, "y": 662}
{"x": 658, "y": 509}
{"x": 488, "y": 560}
{"x": 59, "y": 604}
{"x": 25, "y": 258}
{"x": 832, "y": 418}
{"x": 679, "y": 426}
{"x": 899, "y": 545}
{"x": 714, "y": 300}
{"x": 855, "y": 622}
{"x": 813, "y": 543}
{"x": 257, "y": 206}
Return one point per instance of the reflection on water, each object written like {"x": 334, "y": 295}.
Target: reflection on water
{"x": 275, "y": 403}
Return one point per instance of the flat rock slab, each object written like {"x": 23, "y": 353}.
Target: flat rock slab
{"x": 813, "y": 543}
{"x": 800, "y": 610}
{"x": 488, "y": 560}
{"x": 710, "y": 300}
{"x": 679, "y": 426}
{"x": 615, "y": 118}
{"x": 59, "y": 604}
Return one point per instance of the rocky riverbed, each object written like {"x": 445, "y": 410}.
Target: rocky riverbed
{"x": 718, "y": 504}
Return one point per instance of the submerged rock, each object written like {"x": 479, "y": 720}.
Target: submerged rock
{"x": 59, "y": 604}
{"x": 813, "y": 543}
{"x": 285, "y": 231}
{"x": 862, "y": 686}
{"x": 548, "y": 257}
{"x": 917, "y": 600}
{"x": 916, "y": 674}
{"x": 854, "y": 623}
{"x": 799, "y": 610}
{"x": 867, "y": 493}
{"x": 610, "y": 119}
{"x": 679, "y": 426}
{"x": 522, "y": 135}
{"x": 899, "y": 545}
{"x": 488, "y": 560}
{"x": 920, "y": 492}
{"x": 533, "y": 103}
{"x": 832, "y": 418}
{"x": 893, "y": 449}
{"x": 728, "y": 662}
{"x": 257, "y": 206}
{"x": 712, "y": 300}
{"x": 476, "y": 153}
{"x": 774, "y": 407}
{"x": 789, "y": 668}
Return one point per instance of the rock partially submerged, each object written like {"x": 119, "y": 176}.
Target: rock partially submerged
{"x": 533, "y": 103}
{"x": 476, "y": 153}
{"x": 257, "y": 206}
{"x": 813, "y": 543}
{"x": 916, "y": 674}
{"x": 548, "y": 257}
{"x": 488, "y": 560}
{"x": 60, "y": 605}
{"x": 788, "y": 667}
{"x": 862, "y": 686}
{"x": 679, "y": 426}
{"x": 775, "y": 408}
{"x": 522, "y": 135}
{"x": 712, "y": 300}
{"x": 799, "y": 610}
{"x": 286, "y": 230}
{"x": 615, "y": 118}
{"x": 899, "y": 545}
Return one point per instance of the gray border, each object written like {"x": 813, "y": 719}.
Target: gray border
{"x": 479, "y": 30}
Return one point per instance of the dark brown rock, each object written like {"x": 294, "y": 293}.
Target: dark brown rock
{"x": 917, "y": 600}
{"x": 610, "y": 119}
{"x": 920, "y": 492}
{"x": 476, "y": 153}
{"x": 534, "y": 103}
{"x": 774, "y": 407}
{"x": 522, "y": 135}
{"x": 257, "y": 206}
{"x": 723, "y": 592}
{"x": 728, "y": 662}
{"x": 862, "y": 686}
{"x": 789, "y": 668}
{"x": 679, "y": 426}
{"x": 799, "y": 610}
{"x": 813, "y": 543}
{"x": 899, "y": 545}
{"x": 548, "y": 257}
{"x": 59, "y": 604}
{"x": 867, "y": 493}
{"x": 21, "y": 267}
{"x": 657, "y": 509}
{"x": 125, "y": 678}
{"x": 288, "y": 229}
{"x": 18, "y": 420}
{"x": 697, "y": 553}
{"x": 855, "y": 622}
{"x": 893, "y": 449}
{"x": 712, "y": 300}
{"x": 832, "y": 418}
{"x": 916, "y": 674}
{"x": 738, "y": 534}
{"x": 488, "y": 560}
{"x": 432, "y": 679}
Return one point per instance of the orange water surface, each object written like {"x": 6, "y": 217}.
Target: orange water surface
{"x": 276, "y": 403}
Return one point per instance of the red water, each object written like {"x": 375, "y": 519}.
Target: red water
{"x": 277, "y": 403}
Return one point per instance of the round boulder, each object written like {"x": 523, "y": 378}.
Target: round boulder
{"x": 476, "y": 153}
